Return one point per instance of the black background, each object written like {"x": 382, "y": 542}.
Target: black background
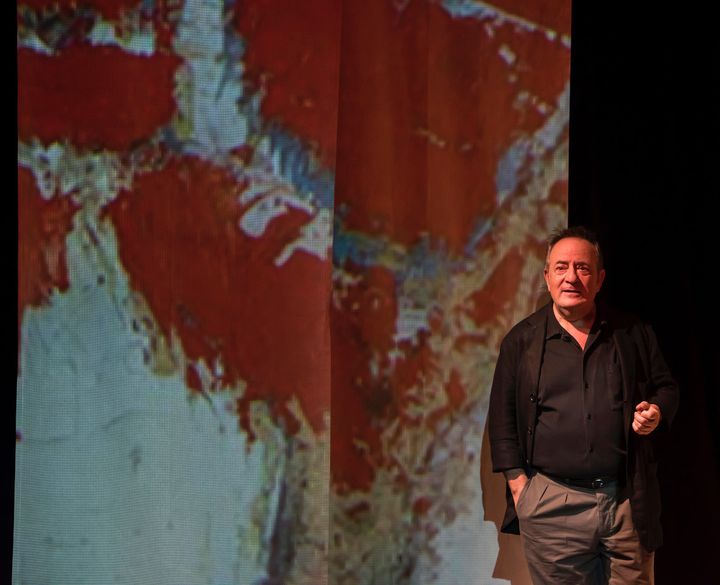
{"x": 644, "y": 162}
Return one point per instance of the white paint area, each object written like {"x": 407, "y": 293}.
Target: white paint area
{"x": 411, "y": 319}
{"x": 209, "y": 83}
{"x": 120, "y": 476}
{"x": 315, "y": 238}
{"x": 466, "y": 550}
{"x": 140, "y": 41}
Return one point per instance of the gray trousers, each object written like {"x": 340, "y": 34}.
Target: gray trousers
{"x": 577, "y": 536}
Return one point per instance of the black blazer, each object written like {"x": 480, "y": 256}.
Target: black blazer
{"x": 513, "y": 409}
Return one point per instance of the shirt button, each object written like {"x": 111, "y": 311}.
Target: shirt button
{"x": 587, "y": 385}
{"x": 532, "y": 397}
{"x": 589, "y": 416}
{"x": 529, "y": 430}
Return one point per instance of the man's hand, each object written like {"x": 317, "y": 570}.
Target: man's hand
{"x": 517, "y": 485}
{"x": 647, "y": 418}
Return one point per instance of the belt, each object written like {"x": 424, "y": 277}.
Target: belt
{"x": 594, "y": 483}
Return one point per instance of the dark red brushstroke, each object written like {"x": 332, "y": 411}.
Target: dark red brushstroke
{"x": 221, "y": 291}
{"x": 427, "y": 109}
{"x": 358, "y": 510}
{"x": 500, "y": 288}
{"x": 418, "y": 360}
{"x": 559, "y": 192}
{"x": 455, "y": 391}
{"x": 455, "y": 395}
{"x": 42, "y": 228}
{"x": 293, "y": 55}
{"x": 362, "y": 328}
{"x": 192, "y": 379}
{"x": 421, "y": 505}
{"x": 94, "y": 97}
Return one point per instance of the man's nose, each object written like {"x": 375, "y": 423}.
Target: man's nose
{"x": 571, "y": 274}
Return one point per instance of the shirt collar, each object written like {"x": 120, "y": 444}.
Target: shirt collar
{"x": 554, "y": 329}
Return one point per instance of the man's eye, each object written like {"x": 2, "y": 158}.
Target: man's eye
{"x": 583, "y": 270}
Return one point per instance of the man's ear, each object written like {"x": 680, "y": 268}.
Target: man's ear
{"x": 601, "y": 278}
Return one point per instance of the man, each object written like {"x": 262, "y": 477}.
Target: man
{"x": 579, "y": 397}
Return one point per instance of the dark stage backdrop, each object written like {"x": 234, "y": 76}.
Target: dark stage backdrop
{"x": 644, "y": 173}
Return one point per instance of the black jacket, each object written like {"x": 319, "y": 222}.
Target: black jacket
{"x": 513, "y": 409}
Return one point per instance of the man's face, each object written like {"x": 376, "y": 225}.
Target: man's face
{"x": 572, "y": 275}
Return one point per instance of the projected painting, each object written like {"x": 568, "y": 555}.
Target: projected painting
{"x": 267, "y": 251}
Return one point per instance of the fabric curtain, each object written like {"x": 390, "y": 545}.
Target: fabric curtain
{"x": 267, "y": 252}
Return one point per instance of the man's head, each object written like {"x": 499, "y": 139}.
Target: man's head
{"x": 574, "y": 271}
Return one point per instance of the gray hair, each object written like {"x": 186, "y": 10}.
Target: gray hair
{"x": 575, "y": 232}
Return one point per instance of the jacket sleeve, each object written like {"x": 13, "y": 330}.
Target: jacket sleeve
{"x": 662, "y": 387}
{"x": 505, "y": 447}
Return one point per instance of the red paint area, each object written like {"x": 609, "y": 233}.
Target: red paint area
{"x": 362, "y": 329}
{"x": 427, "y": 109}
{"x": 455, "y": 391}
{"x": 192, "y": 379}
{"x": 42, "y": 229}
{"x": 293, "y": 55}
{"x": 559, "y": 192}
{"x": 221, "y": 291}
{"x": 421, "y": 506}
{"x": 500, "y": 290}
{"x": 94, "y": 97}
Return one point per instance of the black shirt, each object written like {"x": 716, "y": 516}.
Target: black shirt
{"x": 579, "y": 432}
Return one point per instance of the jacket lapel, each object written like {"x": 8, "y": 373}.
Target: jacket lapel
{"x": 535, "y": 349}
{"x": 624, "y": 345}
